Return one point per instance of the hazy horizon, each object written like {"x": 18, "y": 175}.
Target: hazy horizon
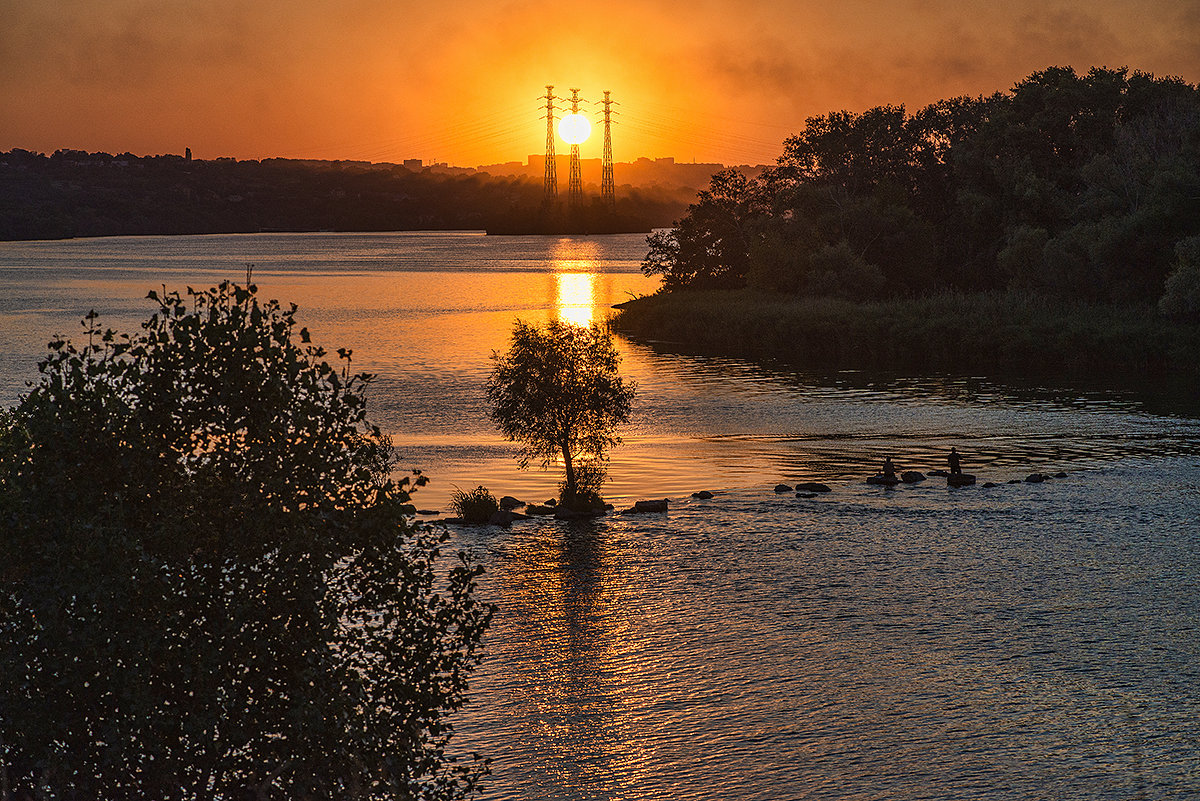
{"x": 560, "y": 156}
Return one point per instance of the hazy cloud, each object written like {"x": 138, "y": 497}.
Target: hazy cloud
{"x": 720, "y": 79}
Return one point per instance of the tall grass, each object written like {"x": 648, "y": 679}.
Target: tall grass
{"x": 996, "y": 332}
{"x": 474, "y": 506}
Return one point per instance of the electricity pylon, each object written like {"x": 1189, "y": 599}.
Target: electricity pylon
{"x": 608, "y": 189}
{"x": 550, "y": 184}
{"x": 575, "y": 185}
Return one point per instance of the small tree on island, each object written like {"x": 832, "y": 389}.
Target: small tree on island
{"x": 557, "y": 393}
{"x": 210, "y": 585}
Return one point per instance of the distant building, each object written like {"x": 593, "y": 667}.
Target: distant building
{"x": 664, "y": 172}
{"x": 508, "y": 168}
{"x": 444, "y": 168}
{"x": 413, "y": 165}
{"x": 187, "y": 154}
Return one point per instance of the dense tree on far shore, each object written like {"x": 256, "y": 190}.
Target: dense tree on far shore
{"x": 1069, "y": 185}
{"x": 210, "y": 587}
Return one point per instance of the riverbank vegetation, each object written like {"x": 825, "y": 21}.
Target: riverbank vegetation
{"x": 1057, "y": 219}
{"x": 1000, "y": 332}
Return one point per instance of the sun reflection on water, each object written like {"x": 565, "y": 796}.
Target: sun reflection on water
{"x": 575, "y": 297}
{"x": 576, "y": 264}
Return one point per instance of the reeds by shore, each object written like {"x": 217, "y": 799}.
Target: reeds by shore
{"x": 989, "y": 332}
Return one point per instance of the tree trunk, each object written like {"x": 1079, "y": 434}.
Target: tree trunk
{"x": 572, "y": 490}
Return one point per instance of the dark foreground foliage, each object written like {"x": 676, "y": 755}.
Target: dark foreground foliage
{"x": 208, "y": 585}
{"x": 1084, "y": 187}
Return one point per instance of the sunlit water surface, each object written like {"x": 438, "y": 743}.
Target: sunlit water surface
{"x": 1021, "y": 641}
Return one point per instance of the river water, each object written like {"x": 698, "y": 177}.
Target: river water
{"x": 1019, "y": 641}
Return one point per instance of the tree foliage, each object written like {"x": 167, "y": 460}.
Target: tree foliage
{"x": 1077, "y": 186}
{"x": 710, "y": 245}
{"x": 210, "y": 587}
{"x": 1182, "y": 296}
{"x": 556, "y": 391}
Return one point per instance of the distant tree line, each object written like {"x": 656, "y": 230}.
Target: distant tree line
{"x": 1080, "y": 186}
{"x": 74, "y": 193}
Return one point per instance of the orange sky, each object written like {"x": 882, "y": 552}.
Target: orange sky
{"x": 458, "y": 81}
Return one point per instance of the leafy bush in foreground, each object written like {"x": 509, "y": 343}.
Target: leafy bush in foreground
{"x": 208, "y": 585}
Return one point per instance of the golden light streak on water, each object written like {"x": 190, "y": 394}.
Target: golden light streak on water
{"x": 576, "y": 264}
{"x": 575, "y": 298}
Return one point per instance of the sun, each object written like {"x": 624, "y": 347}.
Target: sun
{"x": 574, "y": 128}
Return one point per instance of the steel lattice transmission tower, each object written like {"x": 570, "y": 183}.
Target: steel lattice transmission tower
{"x": 608, "y": 189}
{"x": 575, "y": 186}
{"x": 550, "y": 184}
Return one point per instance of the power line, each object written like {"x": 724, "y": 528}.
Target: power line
{"x": 575, "y": 186}
{"x": 608, "y": 193}
{"x": 550, "y": 182}
{"x": 671, "y": 128}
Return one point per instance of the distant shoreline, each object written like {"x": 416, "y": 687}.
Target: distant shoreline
{"x": 320, "y": 231}
{"x": 989, "y": 333}
{"x": 71, "y": 194}
{"x": 263, "y": 232}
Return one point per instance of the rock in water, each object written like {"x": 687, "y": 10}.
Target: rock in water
{"x": 642, "y": 507}
{"x": 960, "y": 480}
{"x": 912, "y": 476}
{"x": 1035, "y": 478}
{"x": 812, "y": 486}
{"x": 563, "y": 513}
{"x": 702, "y": 495}
{"x": 882, "y": 480}
{"x": 782, "y": 488}
{"x": 504, "y": 517}
{"x": 509, "y": 502}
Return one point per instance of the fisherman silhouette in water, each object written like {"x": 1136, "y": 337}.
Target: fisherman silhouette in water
{"x": 889, "y": 470}
{"x": 955, "y": 462}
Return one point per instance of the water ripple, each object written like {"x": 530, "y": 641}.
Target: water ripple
{"x": 951, "y": 647}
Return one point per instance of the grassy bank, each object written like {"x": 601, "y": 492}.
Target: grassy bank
{"x": 989, "y": 333}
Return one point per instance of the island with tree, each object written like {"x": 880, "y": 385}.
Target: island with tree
{"x": 1054, "y": 226}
